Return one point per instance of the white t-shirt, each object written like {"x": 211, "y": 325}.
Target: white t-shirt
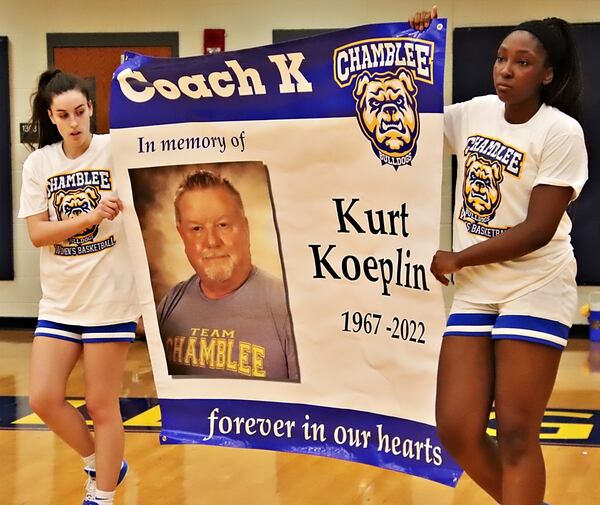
{"x": 498, "y": 165}
{"x": 87, "y": 279}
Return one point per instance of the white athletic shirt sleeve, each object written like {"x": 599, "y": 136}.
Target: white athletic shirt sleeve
{"x": 563, "y": 161}
{"x": 33, "y": 190}
{"x": 452, "y": 126}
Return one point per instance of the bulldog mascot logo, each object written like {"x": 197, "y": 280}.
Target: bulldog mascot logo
{"x": 386, "y": 106}
{"x": 481, "y": 188}
{"x": 74, "y": 202}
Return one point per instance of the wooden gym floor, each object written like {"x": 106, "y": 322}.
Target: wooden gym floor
{"x": 38, "y": 469}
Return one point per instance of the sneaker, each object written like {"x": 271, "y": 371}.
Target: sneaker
{"x": 90, "y": 488}
{"x": 93, "y": 501}
{"x": 92, "y": 476}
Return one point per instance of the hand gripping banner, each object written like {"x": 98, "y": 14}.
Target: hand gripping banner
{"x": 282, "y": 205}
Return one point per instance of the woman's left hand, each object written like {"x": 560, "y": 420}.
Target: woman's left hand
{"x": 422, "y": 19}
{"x": 444, "y": 263}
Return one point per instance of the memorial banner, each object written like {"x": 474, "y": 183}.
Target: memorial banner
{"x": 282, "y": 205}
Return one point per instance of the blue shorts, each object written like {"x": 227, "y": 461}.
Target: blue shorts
{"x": 543, "y": 316}
{"x": 120, "y": 332}
{"x": 508, "y": 326}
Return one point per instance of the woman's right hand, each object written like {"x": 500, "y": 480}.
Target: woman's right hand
{"x": 44, "y": 232}
{"x": 422, "y": 19}
{"x": 444, "y": 263}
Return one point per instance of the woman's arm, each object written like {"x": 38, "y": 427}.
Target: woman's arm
{"x": 547, "y": 205}
{"x": 43, "y": 232}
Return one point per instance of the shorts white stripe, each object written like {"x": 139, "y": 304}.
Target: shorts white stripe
{"x": 530, "y": 333}
{"x": 55, "y": 331}
{"x": 113, "y": 335}
{"x": 470, "y": 328}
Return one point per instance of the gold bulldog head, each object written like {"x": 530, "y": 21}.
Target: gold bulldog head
{"x": 69, "y": 204}
{"x": 481, "y": 187}
{"x": 387, "y": 111}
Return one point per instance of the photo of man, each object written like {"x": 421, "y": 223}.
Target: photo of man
{"x": 229, "y": 319}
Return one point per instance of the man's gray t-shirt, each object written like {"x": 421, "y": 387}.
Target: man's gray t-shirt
{"x": 246, "y": 334}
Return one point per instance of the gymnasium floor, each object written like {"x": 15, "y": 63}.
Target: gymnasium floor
{"x": 38, "y": 469}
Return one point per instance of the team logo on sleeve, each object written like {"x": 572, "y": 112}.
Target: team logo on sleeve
{"x": 486, "y": 162}
{"x": 70, "y": 204}
{"x": 385, "y": 73}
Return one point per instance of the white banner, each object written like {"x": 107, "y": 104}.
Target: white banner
{"x": 283, "y": 207}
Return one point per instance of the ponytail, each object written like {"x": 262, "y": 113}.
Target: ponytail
{"x": 566, "y": 88}
{"x": 51, "y": 83}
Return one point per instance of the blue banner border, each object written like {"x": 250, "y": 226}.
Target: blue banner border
{"x": 317, "y": 66}
{"x": 186, "y": 421}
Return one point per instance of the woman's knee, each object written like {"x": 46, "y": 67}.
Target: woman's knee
{"x": 102, "y": 409}
{"x": 45, "y": 402}
{"x": 453, "y": 432}
{"x": 516, "y": 439}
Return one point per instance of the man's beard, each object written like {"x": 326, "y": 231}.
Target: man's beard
{"x": 219, "y": 270}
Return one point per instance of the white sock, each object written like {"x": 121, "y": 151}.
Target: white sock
{"x": 90, "y": 461}
{"x": 105, "y": 497}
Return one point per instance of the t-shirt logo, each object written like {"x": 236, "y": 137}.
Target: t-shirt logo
{"x": 77, "y": 193}
{"x": 481, "y": 188}
{"x": 70, "y": 204}
{"x": 486, "y": 162}
{"x": 217, "y": 349}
